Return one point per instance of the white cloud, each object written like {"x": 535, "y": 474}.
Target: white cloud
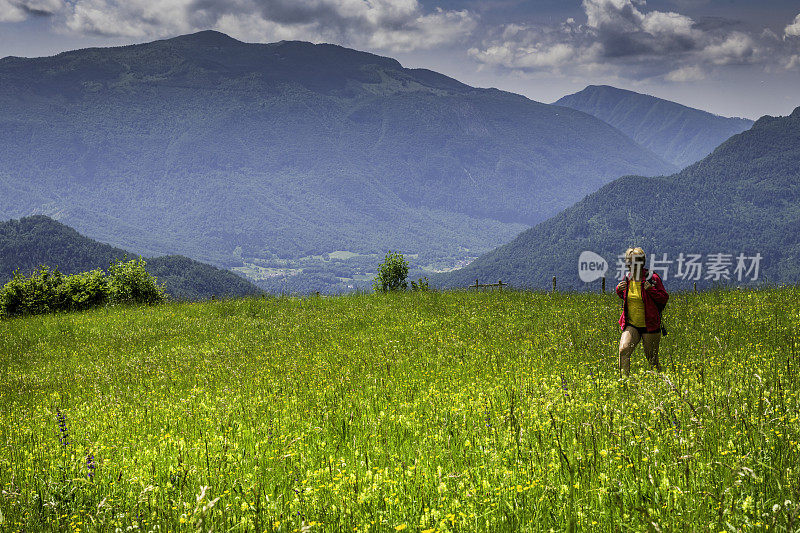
{"x": 684, "y": 74}
{"x": 619, "y": 14}
{"x": 793, "y": 29}
{"x": 425, "y": 31}
{"x": 525, "y": 57}
{"x": 737, "y": 48}
{"x": 258, "y": 29}
{"x": 9, "y": 12}
{"x": 132, "y": 18}
{"x": 378, "y": 24}
{"x": 613, "y": 29}
{"x": 671, "y": 24}
{"x": 536, "y": 56}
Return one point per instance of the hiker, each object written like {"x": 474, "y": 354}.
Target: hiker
{"x": 643, "y": 299}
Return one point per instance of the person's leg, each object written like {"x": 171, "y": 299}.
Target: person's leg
{"x": 627, "y": 342}
{"x": 650, "y": 342}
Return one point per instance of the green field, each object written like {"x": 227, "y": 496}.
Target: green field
{"x": 417, "y": 412}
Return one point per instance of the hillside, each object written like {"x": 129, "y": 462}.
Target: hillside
{"x": 250, "y": 154}
{"x": 744, "y": 198}
{"x": 679, "y": 134}
{"x": 38, "y": 240}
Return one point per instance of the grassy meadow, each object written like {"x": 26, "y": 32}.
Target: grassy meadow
{"x": 402, "y": 412}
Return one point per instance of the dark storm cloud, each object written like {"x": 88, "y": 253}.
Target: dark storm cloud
{"x": 36, "y": 12}
{"x": 617, "y": 44}
{"x": 285, "y": 12}
{"x": 334, "y": 18}
{"x": 717, "y": 23}
{"x": 19, "y": 10}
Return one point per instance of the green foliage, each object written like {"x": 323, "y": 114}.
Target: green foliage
{"x": 41, "y": 292}
{"x": 85, "y": 290}
{"x": 420, "y": 285}
{"x": 392, "y": 273}
{"x": 130, "y": 282}
{"x": 48, "y": 290}
{"x": 457, "y": 412}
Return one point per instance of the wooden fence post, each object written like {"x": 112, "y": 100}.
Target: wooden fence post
{"x": 488, "y": 286}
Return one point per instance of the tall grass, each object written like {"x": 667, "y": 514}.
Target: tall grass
{"x": 417, "y": 412}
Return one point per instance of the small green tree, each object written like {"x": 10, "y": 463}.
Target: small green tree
{"x": 129, "y": 282}
{"x": 392, "y": 273}
{"x": 32, "y": 295}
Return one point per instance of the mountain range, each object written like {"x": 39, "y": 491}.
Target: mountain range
{"x": 677, "y": 133}
{"x": 300, "y": 165}
{"x": 246, "y": 155}
{"x": 743, "y": 200}
{"x": 30, "y": 242}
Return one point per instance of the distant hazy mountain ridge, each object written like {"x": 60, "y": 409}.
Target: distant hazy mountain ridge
{"x": 27, "y": 243}
{"x": 237, "y": 153}
{"x": 742, "y": 200}
{"x": 679, "y": 134}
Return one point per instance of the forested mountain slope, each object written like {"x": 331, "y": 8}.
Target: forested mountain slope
{"x": 681, "y": 135}
{"x": 744, "y": 199}
{"x": 27, "y": 243}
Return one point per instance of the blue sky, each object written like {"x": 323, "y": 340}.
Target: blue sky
{"x": 732, "y": 57}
